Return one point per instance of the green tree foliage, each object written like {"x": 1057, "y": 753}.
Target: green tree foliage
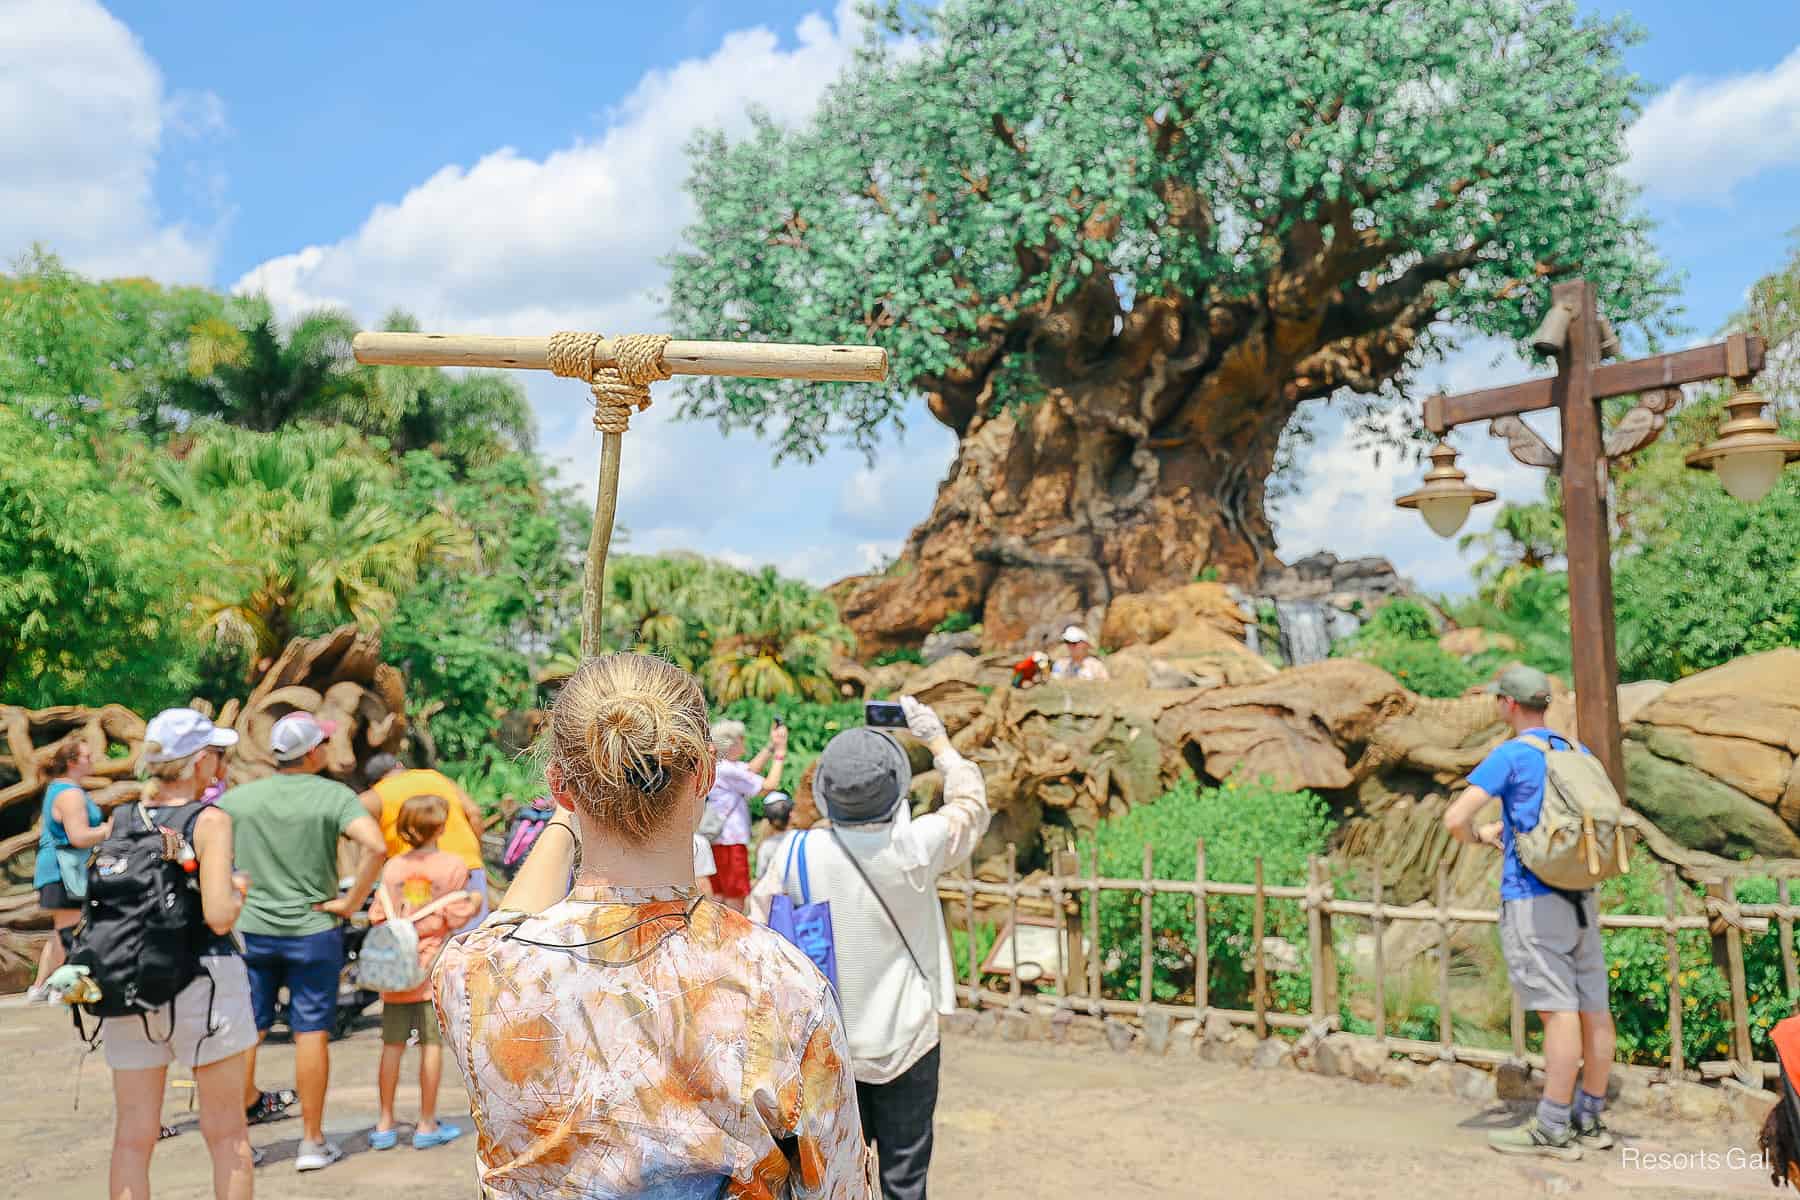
{"x": 1024, "y": 192}
{"x": 91, "y": 600}
{"x": 1241, "y": 822}
{"x": 1401, "y": 638}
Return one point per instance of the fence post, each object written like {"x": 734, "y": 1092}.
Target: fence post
{"x": 1012, "y": 923}
{"x": 1201, "y": 958}
{"x": 974, "y": 948}
{"x": 1257, "y": 918}
{"x": 1726, "y": 893}
{"x": 1380, "y": 968}
{"x": 1093, "y": 956}
{"x": 1786, "y": 925}
{"x": 1446, "y": 1050}
{"x": 1328, "y": 968}
{"x": 1672, "y": 947}
{"x": 1314, "y": 939}
{"x": 1071, "y": 966}
{"x": 1145, "y": 940}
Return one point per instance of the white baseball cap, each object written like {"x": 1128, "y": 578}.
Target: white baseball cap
{"x": 297, "y": 733}
{"x": 180, "y": 732}
{"x": 1075, "y": 633}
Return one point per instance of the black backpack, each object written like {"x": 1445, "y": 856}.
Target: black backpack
{"x": 142, "y": 929}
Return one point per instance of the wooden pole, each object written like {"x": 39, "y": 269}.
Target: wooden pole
{"x": 1380, "y": 969}
{"x": 974, "y": 946}
{"x": 1068, "y": 941}
{"x": 1012, "y": 921}
{"x": 1328, "y": 968}
{"x": 1202, "y": 959}
{"x": 751, "y": 360}
{"x": 1146, "y": 942}
{"x": 1257, "y": 916}
{"x": 1672, "y": 948}
{"x": 1443, "y": 924}
{"x": 1785, "y": 924}
{"x": 593, "y": 576}
{"x": 1584, "y": 478}
{"x": 1315, "y": 941}
{"x": 1726, "y": 893}
{"x": 1093, "y": 951}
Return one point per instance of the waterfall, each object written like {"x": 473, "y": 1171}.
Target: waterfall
{"x": 1306, "y": 629}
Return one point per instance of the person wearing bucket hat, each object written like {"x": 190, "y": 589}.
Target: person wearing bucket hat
{"x": 1550, "y": 938}
{"x": 879, "y": 869}
{"x": 286, "y": 829}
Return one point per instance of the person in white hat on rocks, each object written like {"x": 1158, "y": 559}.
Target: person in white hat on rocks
{"x": 286, "y": 831}
{"x": 1081, "y": 663}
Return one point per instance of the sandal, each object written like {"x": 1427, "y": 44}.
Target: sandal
{"x": 270, "y": 1106}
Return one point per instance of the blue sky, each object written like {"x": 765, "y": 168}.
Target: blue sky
{"x": 521, "y": 175}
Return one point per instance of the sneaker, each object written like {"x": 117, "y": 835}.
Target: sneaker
{"x": 37, "y": 993}
{"x": 1533, "y": 1138}
{"x": 1593, "y": 1134}
{"x": 383, "y": 1139}
{"x": 443, "y": 1134}
{"x": 270, "y": 1106}
{"x": 315, "y": 1156}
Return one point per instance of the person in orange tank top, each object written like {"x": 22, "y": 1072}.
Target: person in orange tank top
{"x": 392, "y": 784}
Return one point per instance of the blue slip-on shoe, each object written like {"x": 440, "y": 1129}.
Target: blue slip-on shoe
{"x": 383, "y": 1139}
{"x": 442, "y": 1135}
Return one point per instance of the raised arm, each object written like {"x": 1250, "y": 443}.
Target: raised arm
{"x": 964, "y": 815}
{"x": 543, "y": 877}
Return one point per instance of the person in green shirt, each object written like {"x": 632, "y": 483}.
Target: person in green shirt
{"x": 286, "y": 829}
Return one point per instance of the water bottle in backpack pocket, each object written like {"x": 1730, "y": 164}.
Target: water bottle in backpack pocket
{"x": 142, "y": 927}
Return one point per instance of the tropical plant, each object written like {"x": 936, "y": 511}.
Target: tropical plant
{"x": 775, "y": 638}
{"x": 1523, "y": 539}
{"x": 301, "y": 530}
{"x": 1176, "y": 220}
{"x": 262, "y": 375}
{"x": 1401, "y": 638}
{"x": 470, "y": 420}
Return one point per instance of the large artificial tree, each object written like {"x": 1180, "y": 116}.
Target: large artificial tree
{"x": 1116, "y": 246}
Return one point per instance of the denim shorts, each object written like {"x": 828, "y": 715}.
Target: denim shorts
{"x": 307, "y": 966}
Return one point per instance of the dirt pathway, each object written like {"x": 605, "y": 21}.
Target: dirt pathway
{"x": 1015, "y": 1120}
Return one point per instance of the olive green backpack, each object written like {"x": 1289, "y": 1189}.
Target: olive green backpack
{"x": 1583, "y": 828}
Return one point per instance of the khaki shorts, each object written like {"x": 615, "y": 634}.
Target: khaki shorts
{"x": 1554, "y": 964}
{"x": 400, "y": 1019}
{"x": 221, "y": 992}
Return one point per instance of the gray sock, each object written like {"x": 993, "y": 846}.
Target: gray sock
{"x": 1553, "y": 1117}
{"x": 1587, "y": 1105}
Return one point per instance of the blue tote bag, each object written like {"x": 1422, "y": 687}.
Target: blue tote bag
{"x": 807, "y": 925}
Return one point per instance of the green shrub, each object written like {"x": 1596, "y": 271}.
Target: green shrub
{"x": 1240, "y": 822}
{"x": 1400, "y": 619}
{"x": 810, "y": 726}
{"x": 957, "y": 622}
{"x": 985, "y": 934}
{"x": 905, "y": 654}
{"x": 1422, "y": 667}
{"x": 490, "y": 773}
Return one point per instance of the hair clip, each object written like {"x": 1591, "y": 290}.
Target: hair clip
{"x": 648, "y": 781}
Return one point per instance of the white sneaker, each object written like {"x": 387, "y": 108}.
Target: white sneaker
{"x": 37, "y": 993}
{"x": 315, "y": 1156}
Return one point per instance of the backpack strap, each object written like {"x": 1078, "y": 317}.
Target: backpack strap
{"x": 1544, "y": 747}
{"x": 870, "y": 884}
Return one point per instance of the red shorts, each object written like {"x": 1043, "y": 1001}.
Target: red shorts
{"x": 731, "y": 871}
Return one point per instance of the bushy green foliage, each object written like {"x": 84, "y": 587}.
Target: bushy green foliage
{"x": 1240, "y": 822}
{"x": 489, "y": 773}
{"x": 1401, "y": 638}
{"x": 900, "y": 654}
{"x": 810, "y": 725}
{"x": 1533, "y": 611}
{"x": 957, "y": 622}
{"x": 985, "y": 935}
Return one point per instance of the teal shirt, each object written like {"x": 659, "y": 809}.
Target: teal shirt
{"x": 285, "y": 832}
{"x": 53, "y": 837}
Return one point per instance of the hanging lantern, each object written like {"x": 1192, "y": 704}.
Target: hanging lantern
{"x": 1447, "y": 496}
{"x": 1750, "y": 452}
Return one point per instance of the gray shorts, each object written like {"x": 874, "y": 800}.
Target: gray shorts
{"x": 180, "y": 1032}
{"x": 1555, "y": 965}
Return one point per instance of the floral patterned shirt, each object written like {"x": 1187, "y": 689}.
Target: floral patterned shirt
{"x": 642, "y": 1042}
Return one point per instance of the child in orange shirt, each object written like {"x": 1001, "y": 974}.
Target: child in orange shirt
{"x": 413, "y": 880}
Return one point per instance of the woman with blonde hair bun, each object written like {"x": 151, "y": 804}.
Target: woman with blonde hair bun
{"x": 629, "y": 1037}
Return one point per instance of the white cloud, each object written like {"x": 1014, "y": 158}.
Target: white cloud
{"x": 1348, "y": 508}
{"x": 1702, "y": 137}
{"x": 514, "y": 244}
{"x": 83, "y": 116}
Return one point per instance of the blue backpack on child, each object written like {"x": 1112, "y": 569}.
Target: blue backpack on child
{"x": 807, "y": 925}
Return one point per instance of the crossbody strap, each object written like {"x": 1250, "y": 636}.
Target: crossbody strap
{"x": 870, "y": 884}
{"x": 794, "y": 846}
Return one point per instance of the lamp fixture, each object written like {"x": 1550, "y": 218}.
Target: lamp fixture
{"x": 1749, "y": 452}
{"x": 1447, "y": 496}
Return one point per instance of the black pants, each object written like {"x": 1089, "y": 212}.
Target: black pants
{"x": 896, "y": 1116}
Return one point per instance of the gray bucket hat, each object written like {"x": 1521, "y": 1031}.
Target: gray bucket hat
{"x": 861, "y": 776}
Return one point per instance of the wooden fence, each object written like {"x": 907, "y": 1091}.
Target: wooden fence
{"x": 1725, "y": 919}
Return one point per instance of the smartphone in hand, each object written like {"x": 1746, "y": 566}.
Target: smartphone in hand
{"x": 884, "y": 714}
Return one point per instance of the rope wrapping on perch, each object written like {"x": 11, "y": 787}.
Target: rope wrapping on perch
{"x": 619, "y": 391}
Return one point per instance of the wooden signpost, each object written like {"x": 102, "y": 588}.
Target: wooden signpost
{"x": 619, "y": 370}
{"x": 1576, "y": 334}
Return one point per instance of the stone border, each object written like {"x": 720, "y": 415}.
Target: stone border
{"x": 1359, "y": 1058}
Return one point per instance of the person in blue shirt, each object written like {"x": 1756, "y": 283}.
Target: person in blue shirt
{"x": 72, "y": 825}
{"x": 1551, "y": 938}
